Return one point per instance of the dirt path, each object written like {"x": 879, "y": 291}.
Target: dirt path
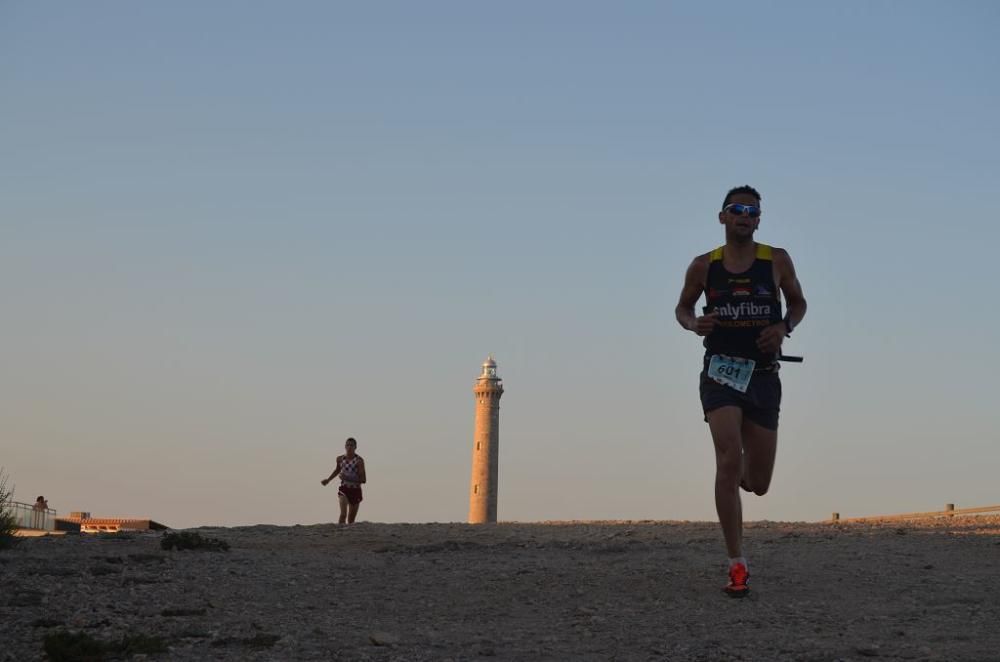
{"x": 553, "y": 591}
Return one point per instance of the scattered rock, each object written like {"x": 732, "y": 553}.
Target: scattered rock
{"x": 46, "y": 623}
{"x": 171, "y": 613}
{"x": 102, "y": 570}
{"x": 258, "y": 641}
{"x": 27, "y": 599}
{"x": 383, "y": 638}
{"x": 54, "y": 571}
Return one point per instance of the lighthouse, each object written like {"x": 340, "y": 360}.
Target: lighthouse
{"x": 486, "y": 445}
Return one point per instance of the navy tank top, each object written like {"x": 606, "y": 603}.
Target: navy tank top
{"x": 746, "y": 303}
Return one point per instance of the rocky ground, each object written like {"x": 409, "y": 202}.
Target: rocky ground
{"x": 549, "y": 591}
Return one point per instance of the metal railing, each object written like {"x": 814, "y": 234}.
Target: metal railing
{"x": 28, "y": 517}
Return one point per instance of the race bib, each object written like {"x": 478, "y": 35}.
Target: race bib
{"x": 731, "y": 371}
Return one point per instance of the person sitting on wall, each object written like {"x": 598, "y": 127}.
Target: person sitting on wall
{"x": 38, "y": 516}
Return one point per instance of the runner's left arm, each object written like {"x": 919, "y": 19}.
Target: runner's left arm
{"x": 795, "y": 308}
{"x": 771, "y": 338}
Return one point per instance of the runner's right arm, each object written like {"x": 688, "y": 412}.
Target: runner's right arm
{"x": 694, "y": 286}
{"x": 334, "y": 474}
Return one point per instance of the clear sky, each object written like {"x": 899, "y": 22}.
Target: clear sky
{"x": 234, "y": 234}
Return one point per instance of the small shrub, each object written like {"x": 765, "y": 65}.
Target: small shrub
{"x": 46, "y": 623}
{"x": 140, "y": 644}
{"x": 116, "y": 536}
{"x": 102, "y": 570}
{"x": 263, "y": 640}
{"x": 66, "y": 646}
{"x": 183, "y": 612}
{"x": 191, "y": 540}
{"x": 259, "y": 641}
{"x": 8, "y": 523}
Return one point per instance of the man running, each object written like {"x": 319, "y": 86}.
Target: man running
{"x": 351, "y": 468}
{"x": 743, "y": 328}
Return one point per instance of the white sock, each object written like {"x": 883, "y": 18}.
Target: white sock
{"x": 739, "y": 559}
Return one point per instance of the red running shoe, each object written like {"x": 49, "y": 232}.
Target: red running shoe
{"x": 739, "y": 578}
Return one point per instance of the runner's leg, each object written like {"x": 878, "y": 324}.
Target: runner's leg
{"x": 725, "y": 425}
{"x": 759, "y": 448}
{"x": 352, "y": 512}
{"x": 343, "y": 508}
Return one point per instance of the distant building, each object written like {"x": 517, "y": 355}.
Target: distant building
{"x": 116, "y": 524}
{"x": 88, "y": 524}
{"x": 33, "y": 521}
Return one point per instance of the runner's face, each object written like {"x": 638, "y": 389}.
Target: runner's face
{"x": 740, "y": 227}
{"x": 350, "y": 449}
